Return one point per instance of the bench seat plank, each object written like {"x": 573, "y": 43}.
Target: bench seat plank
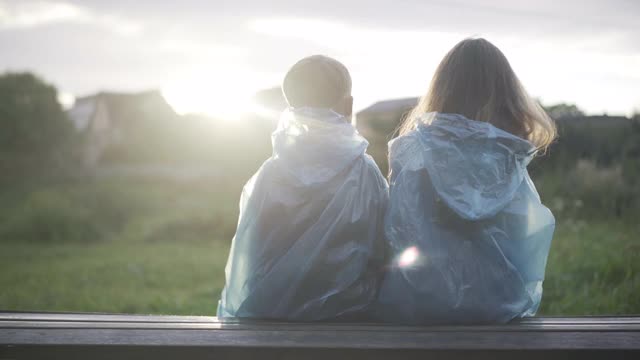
{"x": 102, "y": 317}
{"x": 60, "y": 329}
{"x": 264, "y": 326}
{"x": 428, "y": 340}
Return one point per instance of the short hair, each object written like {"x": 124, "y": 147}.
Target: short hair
{"x": 316, "y": 81}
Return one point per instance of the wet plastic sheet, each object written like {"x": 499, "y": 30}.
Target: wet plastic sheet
{"x": 309, "y": 241}
{"x": 468, "y": 233}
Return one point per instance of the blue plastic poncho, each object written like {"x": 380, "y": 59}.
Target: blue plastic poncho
{"x": 309, "y": 241}
{"x": 468, "y": 233}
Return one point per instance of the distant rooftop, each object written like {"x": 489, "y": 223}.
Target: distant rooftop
{"x": 122, "y": 107}
{"x": 271, "y": 98}
{"x": 390, "y": 106}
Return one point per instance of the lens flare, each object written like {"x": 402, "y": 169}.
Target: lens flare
{"x": 408, "y": 257}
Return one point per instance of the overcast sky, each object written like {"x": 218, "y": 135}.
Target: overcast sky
{"x": 212, "y": 55}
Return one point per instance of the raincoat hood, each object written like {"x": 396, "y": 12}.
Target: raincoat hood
{"x": 476, "y": 168}
{"x": 314, "y": 145}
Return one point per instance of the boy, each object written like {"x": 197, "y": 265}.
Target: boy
{"x": 309, "y": 240}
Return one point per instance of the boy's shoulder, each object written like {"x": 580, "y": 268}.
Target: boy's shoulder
{"x": 264, "y": 172}
{"x": 374, "y": 171}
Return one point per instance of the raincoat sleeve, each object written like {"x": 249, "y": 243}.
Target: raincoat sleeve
{"x": 380, "y": 253}
{"x": 531, "y": 226}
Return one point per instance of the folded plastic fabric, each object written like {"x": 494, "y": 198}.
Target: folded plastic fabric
{"x": 309, "y": 242}
{"x": 468, "y": 233}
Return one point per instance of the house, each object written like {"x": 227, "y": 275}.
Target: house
{"x": 378, "y": 123}
{"x": 106, "y": 118}
{"x": 271, "y": 98}
{"x": 384, "y": 117}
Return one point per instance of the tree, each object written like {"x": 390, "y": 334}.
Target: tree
{"x": 561, "y": 111}
{"x": 34, "y": 129}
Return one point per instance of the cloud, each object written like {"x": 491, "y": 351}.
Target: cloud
{"x": 31, "y": 14}
{"x": 391, "y": 62}
{"x": 26, "y": 15}
{"x": 347, "y": 37}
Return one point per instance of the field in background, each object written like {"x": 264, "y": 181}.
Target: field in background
{"x": 116, "y": 245}
{"x": 158, "y": 278}
{"x": 143, "y": 246}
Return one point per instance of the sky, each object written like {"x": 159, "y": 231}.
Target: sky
{"x": 212, "y": 56}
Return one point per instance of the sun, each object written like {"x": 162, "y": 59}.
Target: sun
{"x": 222, "y": 96}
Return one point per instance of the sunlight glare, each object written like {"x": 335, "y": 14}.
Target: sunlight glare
{"x": 225, "y": 96}
{"x": 66, "y": 100}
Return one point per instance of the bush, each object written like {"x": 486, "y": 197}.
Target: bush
{"x": 589, "y": 191}
{"x": 198, "y": 229}
{"x": 54, "y": 215}
{"x": 48, "y": 216}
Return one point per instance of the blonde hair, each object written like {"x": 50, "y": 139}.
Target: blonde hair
{"x": 475, "y": 79}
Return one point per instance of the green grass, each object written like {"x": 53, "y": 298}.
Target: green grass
{"x": 593, "y": 269}
{"x": 117, "y": 277}
{"x": 161, "y": 247}
{"x": 143, "y": 246}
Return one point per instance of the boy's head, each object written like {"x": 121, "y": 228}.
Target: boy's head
{"x": 319, "y": 81}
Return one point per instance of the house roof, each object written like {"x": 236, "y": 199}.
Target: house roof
{"x": 122, "y": 107}
{"x": 390, "y": 106}
{"x": 271, "y": 98}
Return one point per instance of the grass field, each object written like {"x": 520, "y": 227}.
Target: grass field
{"x": 114, "y": 277}
{"x": 159, "y": 247}
{"x": 593, "y": 269}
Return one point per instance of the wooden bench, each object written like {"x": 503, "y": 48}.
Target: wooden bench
{"x": 95, "y": 336}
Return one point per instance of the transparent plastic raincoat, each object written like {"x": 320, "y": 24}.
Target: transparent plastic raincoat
{"x": 309, "y": 242}
{"x": 468, "y": 233}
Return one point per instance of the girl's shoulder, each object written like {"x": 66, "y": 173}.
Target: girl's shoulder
{"x": 406, "y": 152}
{"x": 405, "y": 142}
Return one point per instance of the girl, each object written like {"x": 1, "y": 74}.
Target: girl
{"x": 465, "y": 222}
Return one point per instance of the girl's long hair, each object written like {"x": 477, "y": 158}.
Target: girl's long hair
{"x": 475, "y": 79}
